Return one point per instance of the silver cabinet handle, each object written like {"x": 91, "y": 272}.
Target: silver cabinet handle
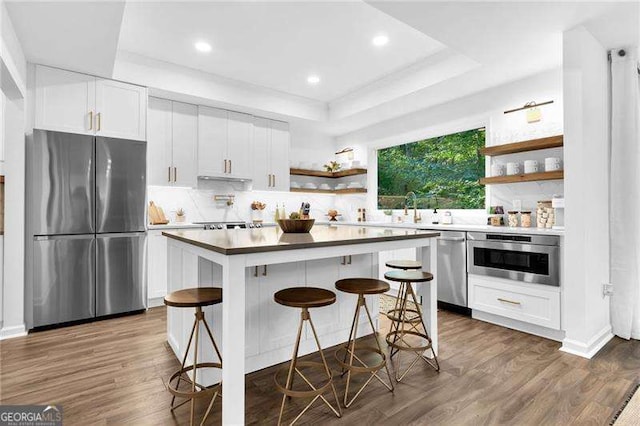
{"x": 344, "y": 260}
{"x": 458, "y": 239}
{"x": 349, "y": 259}
{"x": 229, "y": 166}
{"x": 175, "y": 174}
{"x": 90, "y": 120}
{"x": 169, "y": 174}
{"x": 225, "y": 166}
{"x": 255, "y": 271}
{"x": 274, "y": 180}
{"x": 264, "y": 272}
{"x": 99, "y": 119}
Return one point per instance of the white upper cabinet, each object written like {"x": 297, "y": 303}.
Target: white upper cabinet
{"x": 78, "y": 103}
{"x": 212, "y": 141}
{"x": 260, "y": 154}
{"x": 270, "y": 155}
{"x": 65, "y": 101}
{"x": 224, "y": 143}
{"x": 185, "y": 144}
{"x": 239, "y": 145}
{"x": 159, "y": 142}
{"x": 279, "y": 158}
{"x": 172, "y": 143}
{"x": 121, "y": 110}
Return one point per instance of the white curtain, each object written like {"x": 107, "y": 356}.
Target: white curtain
{"x": 625, "y": 193}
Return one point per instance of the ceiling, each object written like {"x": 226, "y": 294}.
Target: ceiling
{"x": 437, "y": 51}
{"x": 277, "y": 45}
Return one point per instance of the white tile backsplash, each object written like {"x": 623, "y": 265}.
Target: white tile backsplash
{"x": 199, "y": 204}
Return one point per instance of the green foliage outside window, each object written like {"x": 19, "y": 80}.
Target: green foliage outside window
{"x": 443, "y": 172}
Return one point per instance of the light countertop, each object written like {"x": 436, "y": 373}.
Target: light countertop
{"x": 174, "y": 225}
{"x": 455, "y": 227}
{"x": 242, "y": 241}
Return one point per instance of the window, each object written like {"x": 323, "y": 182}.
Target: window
{"x": 443, "y": 172}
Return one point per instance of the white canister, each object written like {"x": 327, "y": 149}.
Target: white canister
{"x": 497, "y": 169}
{"x": 513, "y": 168}
{"x": 551, "y": 164}
{"x": 531, "y": 166}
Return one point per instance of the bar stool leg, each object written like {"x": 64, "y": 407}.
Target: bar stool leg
{"x": 435, "y": 364}
{"x": 195, "y": 363}
{"x": 184, "y": 361}
{"x": 294, "y": 370}
{"x": 326, "y": 368}
{"x": 373, "y": 370}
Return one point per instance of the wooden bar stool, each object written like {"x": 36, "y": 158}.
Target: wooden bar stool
{"x": 403, "y": 264}
{"x": 407, "y": 322}
{"x": 195, "y": 298}
{"x": 305, "y": 298}
{"x": 361, "y": 287}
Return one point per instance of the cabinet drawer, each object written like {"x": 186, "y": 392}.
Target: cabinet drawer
{"x": 524, "y": 302}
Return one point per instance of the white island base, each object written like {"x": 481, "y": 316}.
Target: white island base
{"x": 255, "y": 332}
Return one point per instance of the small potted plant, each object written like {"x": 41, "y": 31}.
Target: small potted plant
{"x": 332, "y": 166}
{"x": 257, "y": 208}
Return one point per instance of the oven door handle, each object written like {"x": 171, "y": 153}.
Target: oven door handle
{"x": 455, "y": 239}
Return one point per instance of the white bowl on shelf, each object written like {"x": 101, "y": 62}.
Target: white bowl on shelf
{"x": 341, "y": 186}
{"x": 295, "y": 185}
{"x": 325, "y": 187}
{"x": 310, "y": 185}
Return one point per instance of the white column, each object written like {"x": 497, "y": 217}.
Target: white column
{"x": 233, "y": 351}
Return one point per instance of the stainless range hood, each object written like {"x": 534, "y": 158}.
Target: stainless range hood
{"x": 224, "y": 178}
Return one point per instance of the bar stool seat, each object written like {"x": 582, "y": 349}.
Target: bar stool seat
{"x": 403, "y": 264}
{"x": 407, "y": 321}
{"x": 194, "y": 298}
{"x": 361, "y": 287}
{"x": 305, "y": 298}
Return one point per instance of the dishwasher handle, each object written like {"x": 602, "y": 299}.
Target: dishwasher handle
{"x": 454, "y": 239}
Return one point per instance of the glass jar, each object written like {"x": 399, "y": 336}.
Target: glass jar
{"x": 513, "y": 219}
{"x": 525, "y": 219}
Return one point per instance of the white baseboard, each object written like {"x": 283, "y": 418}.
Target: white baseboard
{"x": 547, "y": 333}
{"x": 589, "y": 349}
{"x": 11, "y": 332}
{"x": 154, "y": 302}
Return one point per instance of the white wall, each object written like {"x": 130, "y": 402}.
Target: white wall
{"x": 13, "y": 81}
{"x": 482, "y": 109}
{"x": 586, "y": 264}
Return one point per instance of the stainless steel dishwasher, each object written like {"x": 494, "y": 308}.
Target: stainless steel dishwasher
{"x": 452, "y": 268}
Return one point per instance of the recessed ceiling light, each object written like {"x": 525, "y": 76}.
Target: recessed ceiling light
{"x": 380, "y": 40}
{"x": 313, "y": 79}
{"x": 203, "y": 46}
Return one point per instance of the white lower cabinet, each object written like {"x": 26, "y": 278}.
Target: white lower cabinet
{"x": 531, "y": 303}
{"x": 156, "y": 266}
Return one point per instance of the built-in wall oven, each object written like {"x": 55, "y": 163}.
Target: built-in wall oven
{"x": 528, "y": 258}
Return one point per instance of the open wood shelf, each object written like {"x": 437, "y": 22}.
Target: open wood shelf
{"x": 530, "y": 177}
{"x": 1, "y": 178}
{"x": 333, "y": 175}
{"x": 524, "y": 146}
{"x": 331, "y": 191}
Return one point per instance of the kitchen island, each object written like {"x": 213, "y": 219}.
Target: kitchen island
{"x": 252, "y": 264}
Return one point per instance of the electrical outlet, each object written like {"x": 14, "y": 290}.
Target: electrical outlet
{"x": 607, "y": 289}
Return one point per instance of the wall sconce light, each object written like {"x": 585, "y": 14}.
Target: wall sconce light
{"x": 534, "y": 114}
{"x": 345, "y": 154}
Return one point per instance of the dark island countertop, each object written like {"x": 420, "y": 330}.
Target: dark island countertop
{"x": 244, "y": 241}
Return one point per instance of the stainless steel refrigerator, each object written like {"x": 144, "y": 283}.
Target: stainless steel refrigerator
{"x": 86, "y": 227}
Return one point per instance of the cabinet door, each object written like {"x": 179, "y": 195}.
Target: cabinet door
{"x": 260, "y": 154}
{"x": 239, "y": 144}
{"x": 278, "y": 323}
{"x": 358, "y": 266}
{"x": 159, "y": 142}
{"x": 280, "y": 155}
{"x": 121, "y": 110}
{"x": 324, "y": 273}
{"x": 156, "y": 265}
{"x": 64, "y": 101}
{"x": 185, "y": 144}
{"x": 212, "y": 141}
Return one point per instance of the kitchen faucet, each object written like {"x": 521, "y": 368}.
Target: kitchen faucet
{"x": 413, "y": 197}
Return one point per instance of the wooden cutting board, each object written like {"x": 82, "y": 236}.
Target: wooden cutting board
{"x": 156, "y": 215}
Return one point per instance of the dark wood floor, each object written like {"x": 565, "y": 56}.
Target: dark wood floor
{"x": 112, "y": 372}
